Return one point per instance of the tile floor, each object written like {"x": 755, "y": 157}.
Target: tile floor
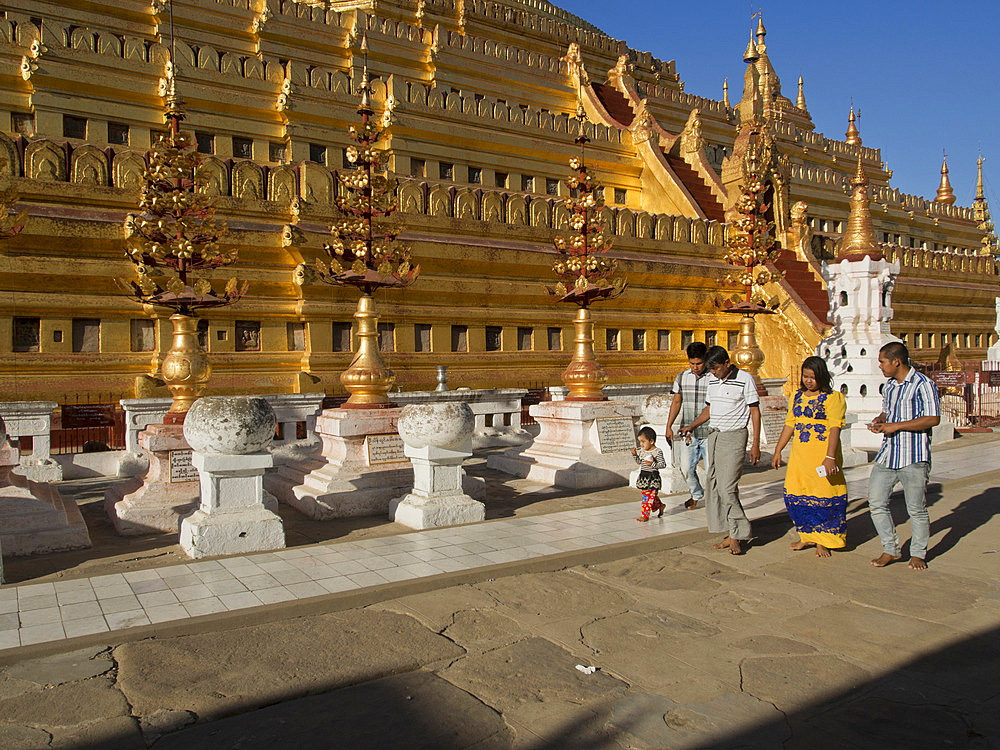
{"x": 35, "y": 613}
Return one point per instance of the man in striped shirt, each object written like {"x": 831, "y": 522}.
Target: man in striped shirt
{"x": 910, "y": 409}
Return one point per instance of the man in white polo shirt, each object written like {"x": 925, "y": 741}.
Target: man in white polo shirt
{"x": 731, "y": 403}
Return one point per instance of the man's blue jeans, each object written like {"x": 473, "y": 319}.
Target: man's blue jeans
{"x": 690, "y": 456}
{"x": 913, "y": 479}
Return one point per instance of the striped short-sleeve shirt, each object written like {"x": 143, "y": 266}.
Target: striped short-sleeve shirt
{"x": 729, "y": 400}
{"x": 915, "y": 397}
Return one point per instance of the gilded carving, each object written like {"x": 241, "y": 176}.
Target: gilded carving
{"x": 466, "y": 205}
{"x": 492, "y": 208}
{"x": 439, "y": 201}
{"x": 89, "y": 166}
{"x": 692, "y": 141}
{"x": 248, "y": 181}
{"x": 281, "y": 184}
{"x": 217, "y": 176}
{"x": 517, "y": 210}
{"x": 315, "y": 183}
{"x": 540, "y": 212}
{"x": 411, "y": 198}
{"x": 46, "y": 161}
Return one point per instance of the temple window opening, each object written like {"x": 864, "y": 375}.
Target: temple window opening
{"x": 555, "y": 339}
{"x": 74, "y": 127}
{"x": 527, "y": 183}
{"x": 206, "y": 142}
{"x": 475, "y": 175}
{"x": 551, "y": 186}
{"x": 494, "y": 338}
{"x": 26, "y": 334}
{"x": 341, "y": 336}
{"x": 295, "y": 334}
{"x": 620, "y": 196}
{"x": 387, "y": 337}
{"x": 525, "y": 338}
{"x": 638, "y": 340}
{"x": 242, "y": 148}
{"x": 500, "y": 179}
{"x": 202, "y": 332}
{"x": 663, "y": 340}
{"x": 460, "y": 338}
{"x": 248, "y": 335}
{"x": 142, "y": 334}
{"x": 317, "y": 153}
{"x": 118, "y": 133}
{"x": 277, "y": 152}
{"x": 687, "y": 337}
{"x": 422, "y": 337}
{"x": 732, "y": 339}
{"x": 86, "y": 335}
{"x": 23, "y": 123}
{"x": 418, "y": 168}
{"x": 710, "y": 338}
{"x": 611, "y": 338}
{"x": 446, "y": 171}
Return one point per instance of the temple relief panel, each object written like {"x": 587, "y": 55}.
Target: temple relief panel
{"x": 699, "y": 233}
{"x": 231, "y": 65}
{"x": 466, "y": 205}
{"x": 315, "y": 183}
{"x": 83, "y": 39}
{"x": 281, "y": 184}
{"x": 128, "y": 170}
{"x": 208, "y": 59}
{"x": 248, "y": 181}
{"x": 560, "y": 217}
{"x": 45, "y": 161}
{"x": 492, "y": 207}
{"x": 253, "y": 69}
{"x": 607, "y": 215}
{"x": 439, "y": 201}
{"x": 664, "y": 227}
{"x": 109, "y": 44}
{"x": 682, "y": 229}
{"x": 135, "y": 49}
{"x": 625, "y": 225}
{"x": 517, "y": 210}
{"x": 11, "y": 162}
{"x": 540, "y": 213}
{"x": 89, "y": 166}
{"x": 216, "y": 176}
{"x": 186, "y": 57}
{"x": 715, "y": 234}
{"x": 340, "y": 83}
{"x": 644, "y": 226}
{"x": 411, "y": 198}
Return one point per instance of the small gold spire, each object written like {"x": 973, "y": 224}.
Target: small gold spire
{"x": 800, "y": 102}
{"x": 761, "y": 31}
{"x": 859, "y": 239}
{"x": 750, "y": 55}
{"x": 725, "y": 92}
{"x": 853, "y": 135}
{"x": 944, "y": 192}
{"x": 366, "y": 91}
{"x": 980, "y": 193}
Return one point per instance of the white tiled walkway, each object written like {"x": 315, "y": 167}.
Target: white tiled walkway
{"x": 35, "y": 613}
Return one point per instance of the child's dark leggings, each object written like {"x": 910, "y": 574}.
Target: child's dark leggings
{"x": 650, "y": 502}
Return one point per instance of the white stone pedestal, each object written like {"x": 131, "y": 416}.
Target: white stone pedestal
{"x": 33, "y": 419}
{"x": 361, "y": 467}
{"x": 35, "y": 518}
{"x": 437, "y": 438}
{"x": 167, "y": 493}
{"x": 569, "y": 450}
{"x": 231, "y": 519}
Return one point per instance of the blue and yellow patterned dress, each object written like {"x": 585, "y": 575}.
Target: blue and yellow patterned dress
{"x": 817, "y": 505}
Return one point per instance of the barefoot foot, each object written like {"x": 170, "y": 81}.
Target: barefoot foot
{"x": 917, "y": 563}
{"x": 885, "y": 559}
{"x": 822, "y": 551}
{"x": 724, "y": 544}
{"x": 736, "y": 547}
{"x": 641, "y": 520}
{"x": 797, "y": 546}
{"x": 690, "y": 503}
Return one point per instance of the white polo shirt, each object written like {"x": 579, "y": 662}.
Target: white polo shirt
{"x": 729, "y": 400}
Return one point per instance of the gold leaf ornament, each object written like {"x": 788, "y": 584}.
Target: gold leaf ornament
{"x": 202, "y": 287}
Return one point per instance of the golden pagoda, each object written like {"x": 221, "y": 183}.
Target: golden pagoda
{"x": 945, "y": 194}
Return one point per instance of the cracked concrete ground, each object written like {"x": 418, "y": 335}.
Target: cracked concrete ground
{"x": 694, "y": 649}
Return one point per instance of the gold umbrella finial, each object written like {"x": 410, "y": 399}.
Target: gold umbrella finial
{"x": 853, "y": 134}
{"x": 725, "y": 92}
{"x": 980, "y": 193}
{"x": 859, "y": 239}
{"x": 945, "y": 194}
{"x": 800, "y": 102}
{"x": 750, "y": 55}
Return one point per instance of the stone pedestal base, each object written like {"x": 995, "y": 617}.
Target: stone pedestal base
{"x": 438, "y": 498}
{"x": 344, "y": 480}
{"x": 40, "y": 470}
{"x": 167, "y": 493}
{"x": 35, "y": 518}
{"x": 568, "y": 451}
{"x": 232, "y": 519}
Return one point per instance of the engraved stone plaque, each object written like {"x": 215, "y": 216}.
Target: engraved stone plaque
{"x": 181, "y": 469}
{"x": 384, "y": 449}
{"x": 616, "y": 434}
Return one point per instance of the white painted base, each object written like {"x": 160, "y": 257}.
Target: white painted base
{"x": 340, "y": 483}
{"x": 419, "y": 512}
{"x": 35, "y": 518}
{"x": 567, "y": 452}
{"x": 233, "y": 532}
{"x": 43, "y": 470}
{"x": 153, "y": 504}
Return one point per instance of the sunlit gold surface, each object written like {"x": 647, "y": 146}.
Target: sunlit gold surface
{"x": 584, "y": 376}
{"x": 368, "y": 379}
{"x": 859, "y": 239}
{"x": 185, "y": 369}
{"x": 748, "y": 355}
{"x": 945, "y": 193}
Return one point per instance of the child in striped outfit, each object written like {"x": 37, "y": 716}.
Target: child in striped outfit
{"x": 650, "y": 460}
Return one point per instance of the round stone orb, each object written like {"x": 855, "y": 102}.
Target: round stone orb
{"x": 441, "y": 425}
{"x": 230, "y": 425}
{"x": 656, "y": 408}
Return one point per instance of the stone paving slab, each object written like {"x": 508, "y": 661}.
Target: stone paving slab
{"x": 55, "y": 611}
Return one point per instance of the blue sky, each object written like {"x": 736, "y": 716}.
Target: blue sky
{"x": 924, "y": 74}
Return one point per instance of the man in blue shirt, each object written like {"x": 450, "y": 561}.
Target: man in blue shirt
{"x": 910, "y": 409}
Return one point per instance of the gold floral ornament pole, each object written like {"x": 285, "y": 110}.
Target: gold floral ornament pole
{"x": 587, "y": 276}
{"x": 751, "y": 248}
{"x": 365, "y": 253}
{"x": 172, "y": 242}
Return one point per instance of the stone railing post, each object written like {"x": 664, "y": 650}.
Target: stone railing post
{"x": 33, "y": 419}
{"x": 229, "y": 436}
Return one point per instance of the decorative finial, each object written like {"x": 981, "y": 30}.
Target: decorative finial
{"x": 750, "y": 55}
{"x": 853, "y": 135}
{"x": 859, "y": 239}
{"x": 944, "y": 192}
{"x": 725, "y": 92}
{"x": 980, "y": 193}
{"x": 366, "y": 91}
{"x": 761, "y": 31}
{"x": 800, "y": 102}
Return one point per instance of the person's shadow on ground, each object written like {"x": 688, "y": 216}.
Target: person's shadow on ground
{"x": 968, "y": 515}
{"x": 860, "y": 528}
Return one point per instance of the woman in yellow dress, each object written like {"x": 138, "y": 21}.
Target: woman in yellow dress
{"x": 815, "y": 490}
